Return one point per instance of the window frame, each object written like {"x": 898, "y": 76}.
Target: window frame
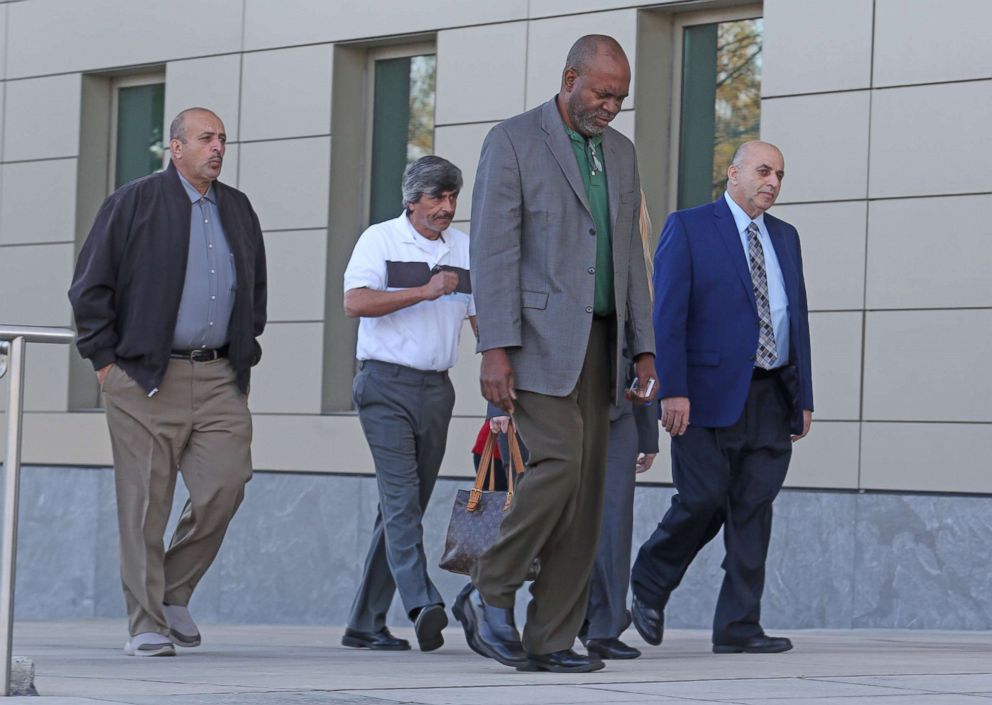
{"x": 375, "y": 54}
{"x": 680, "y": 23}
{"x": 116, "y": 84}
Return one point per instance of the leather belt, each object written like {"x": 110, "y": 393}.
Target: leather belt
{"x": 761, "y": 373}
{"x": 199, "y": 355}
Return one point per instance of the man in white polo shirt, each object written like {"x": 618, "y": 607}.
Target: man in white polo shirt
{"x": 408, "y": 280}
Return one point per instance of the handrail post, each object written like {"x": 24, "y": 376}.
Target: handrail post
{"x": 12, "y": 473}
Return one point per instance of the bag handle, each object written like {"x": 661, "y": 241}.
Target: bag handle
{"x": 486, "y": 468}
{"x": 514, "y": 464}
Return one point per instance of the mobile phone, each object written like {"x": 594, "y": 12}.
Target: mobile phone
{"x": 635, "y": 386}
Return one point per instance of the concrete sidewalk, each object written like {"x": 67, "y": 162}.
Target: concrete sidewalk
{"x": 81, "y": 663}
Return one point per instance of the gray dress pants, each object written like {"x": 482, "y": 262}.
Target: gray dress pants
{"x": 404, "y": 414}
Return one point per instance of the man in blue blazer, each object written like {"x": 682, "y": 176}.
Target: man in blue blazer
{"x": 733, "y": 357}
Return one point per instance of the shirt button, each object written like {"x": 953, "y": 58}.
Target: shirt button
{"x": 210, "y": 247}
{"x": 212, "y": 298}
{"x": 592, "y": 231}
{"x": 212, "y": 271}
{"x": 211, "y": 322}
{"x": 591, "y": 270}
{"x": 588, "y": 310}
{"x": 205, "y": 220}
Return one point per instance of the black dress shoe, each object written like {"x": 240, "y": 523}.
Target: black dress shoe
{"x": 611, "y": 648}
{"x": 761, "y": 644}
{"x": 428, "y": 625}
{"x": 648, "y": 621}
{"x": 458, "y": 609}
{"x": 381, "y": 640}
{"x": 489, "y": 631}
{"x": 566, "y": 661}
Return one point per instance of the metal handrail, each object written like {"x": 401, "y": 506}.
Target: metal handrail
{"x": 13, "y": 340}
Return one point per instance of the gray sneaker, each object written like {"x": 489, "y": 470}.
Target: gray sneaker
{"x": 149, "y": 644}
{"x": 182, "y": 628}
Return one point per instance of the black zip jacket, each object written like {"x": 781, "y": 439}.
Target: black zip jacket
{"x": 129, "y": 278}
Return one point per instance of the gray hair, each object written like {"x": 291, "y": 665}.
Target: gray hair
{"x": 432, "y": 175}
{"x": 177, "y": 129}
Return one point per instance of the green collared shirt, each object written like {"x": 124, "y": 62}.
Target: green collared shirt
{"x": 589, "y": 155}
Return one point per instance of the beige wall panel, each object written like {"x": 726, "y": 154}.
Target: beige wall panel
{"x": 310, "y": 444}
{"x": 102, "y": 34}
{"x": 286, "y": 93}
{"x": 458, "y": 453}
{"x": 212, "y": 82}
{"x": 480, "y": 73}
{"x": 465, "y": 377}
{"x": 929, "y": 253}
{"x": 335, "y": 443}
{"x": 917, "y": 131}
{"x": 816, "y": 46}
{"x": 46, "y": 379}
{"x": 826, "y": 458}
{"x": 552, "y": 8}
{"x": 461, "y": 144}
{"x": 926, "y": 457}
{"x": 229, "y": 174}
{"x": 550, "y": 40}
{"x": 287, "y": 181}
{"x": 34, "y": 281}
{"x": 922, "y": 41}
{"x": 836, "y": 342}
{"x": 624, "y": 123}
{"x": 287, "y": 380}
{"x": 833, "y": 243}
{"x": 296, "y": 275}
{"x": 42, "y": 118}
{"x": 38, "y": 202}
{"x": 269, "y": 24}
{"x": 928, "y": 366}
{"x": 82, "y": 439}
{"x": 825, "y": 142}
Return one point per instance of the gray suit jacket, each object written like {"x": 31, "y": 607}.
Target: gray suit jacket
{"x": 533, "y": 251}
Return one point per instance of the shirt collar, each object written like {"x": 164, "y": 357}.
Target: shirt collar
{"x": 416, "y": 238}
{"x": 594, "y": 140}
{"x": 195, "y": 195}
{"x": 741, "y": 218}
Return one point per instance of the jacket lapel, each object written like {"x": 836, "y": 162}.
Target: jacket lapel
{"x": 612, "y": 175}
{"x": 727, "y": 227}
{"x": 558, "y": 142}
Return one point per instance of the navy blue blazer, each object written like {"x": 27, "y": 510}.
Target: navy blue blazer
{"x": 706, "y": 320}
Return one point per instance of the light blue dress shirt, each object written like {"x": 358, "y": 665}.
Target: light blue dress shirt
{"x": 209, "y": 288}
{"x": 777, "y": 299}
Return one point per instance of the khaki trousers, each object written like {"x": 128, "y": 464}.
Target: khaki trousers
{"x": 198, "y": 423}
{"x": 557, "y": 509}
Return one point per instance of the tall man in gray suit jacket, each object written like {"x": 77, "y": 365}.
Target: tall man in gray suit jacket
{"x": 560, "y": 287}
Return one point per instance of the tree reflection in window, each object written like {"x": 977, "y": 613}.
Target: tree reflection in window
{"x": 721, "y": 103}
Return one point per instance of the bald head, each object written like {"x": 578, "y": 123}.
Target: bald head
{"x": 755, "y": 175}
{"x": 584, "y": 53}
{"x": 177, "y": 130}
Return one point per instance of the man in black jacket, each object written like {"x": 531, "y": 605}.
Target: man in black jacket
{"x": 169, "y": 300}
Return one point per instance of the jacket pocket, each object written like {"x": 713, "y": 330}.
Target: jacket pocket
{"x": 707, "y": 358}
{"x": 533, "y": 299}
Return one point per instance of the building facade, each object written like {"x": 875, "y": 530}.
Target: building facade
{"x": 881, "y": 108}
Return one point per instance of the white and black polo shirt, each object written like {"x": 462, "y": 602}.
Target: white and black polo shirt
{"x": 392, "y": 255}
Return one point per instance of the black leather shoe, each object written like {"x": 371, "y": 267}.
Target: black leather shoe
{"x": 762, "y": 644}
{"x": 648, "y": 621}
{"x": 381, "y": 640}
{"x": 611, "y": 649}
{"x": 566, "y": 661}
{"x": 489, "y": 631}
{"x": 428, "y": 625}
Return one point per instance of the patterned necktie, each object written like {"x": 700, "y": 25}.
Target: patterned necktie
{"x": 766, "y": 354}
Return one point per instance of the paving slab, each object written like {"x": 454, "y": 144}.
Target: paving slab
{"x": 81, "y": 663}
